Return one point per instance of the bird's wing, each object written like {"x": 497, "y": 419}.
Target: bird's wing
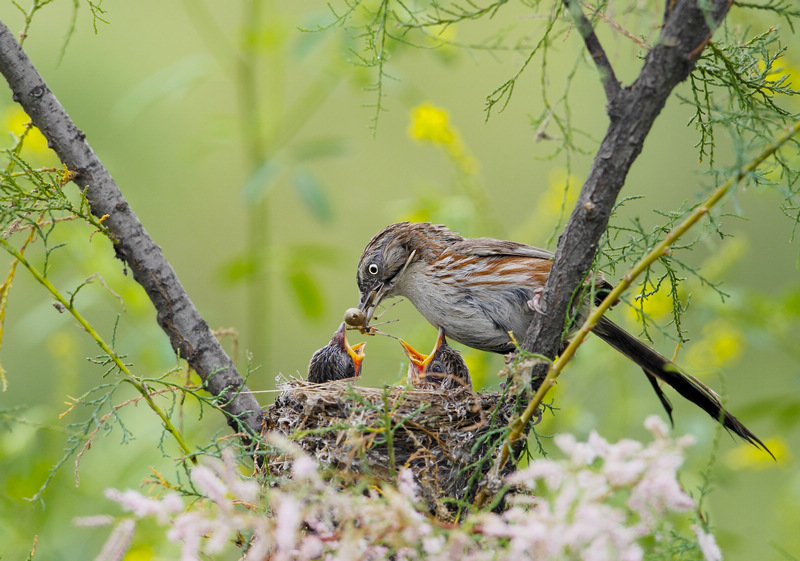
{"x": 487, "y": 247}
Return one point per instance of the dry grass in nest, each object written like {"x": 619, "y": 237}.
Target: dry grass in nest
{"x": 376, "y": 431}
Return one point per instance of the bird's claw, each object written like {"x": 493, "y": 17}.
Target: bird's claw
{"x": 535, "y": 303}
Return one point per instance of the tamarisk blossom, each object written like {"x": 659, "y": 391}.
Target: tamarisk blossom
{"x": 708, "y": 545}
{"x": 407, "y": 486}
{"x": 602, "y": 502}
{"x": 162, "y": 509}
{"x": 577, "y": 513}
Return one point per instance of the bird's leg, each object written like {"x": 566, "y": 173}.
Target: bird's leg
{"x": 535, "y": 303}
{"x": 371, "y": 328}
{"x": 389, "y": 307}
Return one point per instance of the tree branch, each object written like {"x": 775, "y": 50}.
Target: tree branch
{"x": 189, "y": 334}
{"x": 607, "y": 77}
{"x": 685, "y": 33}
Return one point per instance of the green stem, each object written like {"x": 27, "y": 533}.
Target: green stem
{"x": 663, "y": 248}
{"x": 259, "y": 286}
{"x": 130, "y": 378}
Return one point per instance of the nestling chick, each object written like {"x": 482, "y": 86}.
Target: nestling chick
{"x": 443, "y": 368}
{"x": 337, "y": 360}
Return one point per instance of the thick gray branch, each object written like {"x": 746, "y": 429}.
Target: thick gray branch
{"x": 632, "y": 112}
{"x": 188, "y": 332}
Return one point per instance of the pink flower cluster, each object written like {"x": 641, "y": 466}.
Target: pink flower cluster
{"x": 600, "y": 503}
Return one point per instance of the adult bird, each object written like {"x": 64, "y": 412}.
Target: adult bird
{"x": 478, "y": 290}
{"x": 444, "y": 368}
{"x": 337, "y": 360}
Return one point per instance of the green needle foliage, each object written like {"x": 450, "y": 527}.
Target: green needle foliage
{"x": 33, "y": 202}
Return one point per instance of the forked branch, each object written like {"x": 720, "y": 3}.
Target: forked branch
{"x": 610, "y": 83}
{"x": 685, "y": 33}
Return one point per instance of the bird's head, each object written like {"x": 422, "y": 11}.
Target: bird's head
{"x": 388, "y": 258}
{"x": 382, "y": 264}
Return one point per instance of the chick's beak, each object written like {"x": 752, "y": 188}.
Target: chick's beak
{"x": 419, "y": 362}
{"x": 440, "y": 340}
{"x": 356, "y": 351}
{"x": 417, "y": 358}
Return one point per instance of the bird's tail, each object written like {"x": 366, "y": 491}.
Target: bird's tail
{"x": 658, "y": 367}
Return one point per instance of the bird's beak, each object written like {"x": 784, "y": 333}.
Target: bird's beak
{"x": 356, "y": 351}
{"x": 370, "y": 300}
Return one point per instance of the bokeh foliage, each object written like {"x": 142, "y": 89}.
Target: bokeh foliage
{"x": 263, "y": 145}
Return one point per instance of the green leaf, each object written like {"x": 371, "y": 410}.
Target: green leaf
{"x": 313, "y": 195}
{"x": 316, "y": 254}
{"x": 791, "y": 303}
{"x": 172, "y": 83}
{"x": 262, "y": 180}
{"x": 318, "y": 148}
{"x": 306, "y": 293}
{"x": 238, "y": 268}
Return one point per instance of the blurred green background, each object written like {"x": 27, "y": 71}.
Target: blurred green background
{"x": 247, "y": 146}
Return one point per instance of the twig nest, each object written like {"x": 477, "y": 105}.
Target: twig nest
{"x": 378, "y": 431}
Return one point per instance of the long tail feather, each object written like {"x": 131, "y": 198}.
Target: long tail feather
{"x": 656, "y": 366}
{"x": 660, "y": 394}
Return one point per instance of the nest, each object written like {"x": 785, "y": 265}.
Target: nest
{"x": 444, "y": 437}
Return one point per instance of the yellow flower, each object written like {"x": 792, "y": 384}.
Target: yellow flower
{"x": 15, "y": 120}
{"x": 140, "y": 553}
{"x": 61, "y": 345}
{"x": 443, "y": 32}
{"x": 780, "y": 68}
{"x": 725, "y": 255}
{"x": 432, "y": 123}
{"x": 440, "y": 39}
{"x": 720, "y": 346}
{"x": 655, "y": 306}
{"x": 747, "y": 456}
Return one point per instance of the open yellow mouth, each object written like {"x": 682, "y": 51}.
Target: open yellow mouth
{"x": 417, "y": 358}
{"x": 420, "y": 361}
{"x": 356, "y": 351}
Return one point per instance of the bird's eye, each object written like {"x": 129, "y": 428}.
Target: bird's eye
{"x": 373, "y": 269}
{"x": 436, "y": 368}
